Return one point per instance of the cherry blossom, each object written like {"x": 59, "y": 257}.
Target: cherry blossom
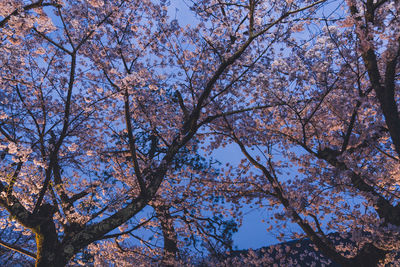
{"x": 107, "y": 110}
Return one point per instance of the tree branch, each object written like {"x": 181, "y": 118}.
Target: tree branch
{"x": 18, "y": 249}
{"x": 16, "y": 12}
{"x": 132, "y": 145}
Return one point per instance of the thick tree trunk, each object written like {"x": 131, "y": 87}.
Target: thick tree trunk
{"x": 369, "y": 256}
{"x": 49, "y": 252}
{"x": 169, "y": 234}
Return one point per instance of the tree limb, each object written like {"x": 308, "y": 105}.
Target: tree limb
{"x": 18, "y": 249}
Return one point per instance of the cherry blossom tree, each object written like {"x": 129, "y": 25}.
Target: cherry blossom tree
{"x": 99, "y": 102}
{"x": 327, "y": 148}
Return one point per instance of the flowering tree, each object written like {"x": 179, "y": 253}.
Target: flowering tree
{"x": 327, "y": 149}
{"x": 100, "y": 100}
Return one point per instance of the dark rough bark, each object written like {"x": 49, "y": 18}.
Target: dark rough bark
{"x": 169, "y": 235}
{"x": 369, "y": 256}
{"x": 49, "y": 251}
{"x": 385, "y": 93}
